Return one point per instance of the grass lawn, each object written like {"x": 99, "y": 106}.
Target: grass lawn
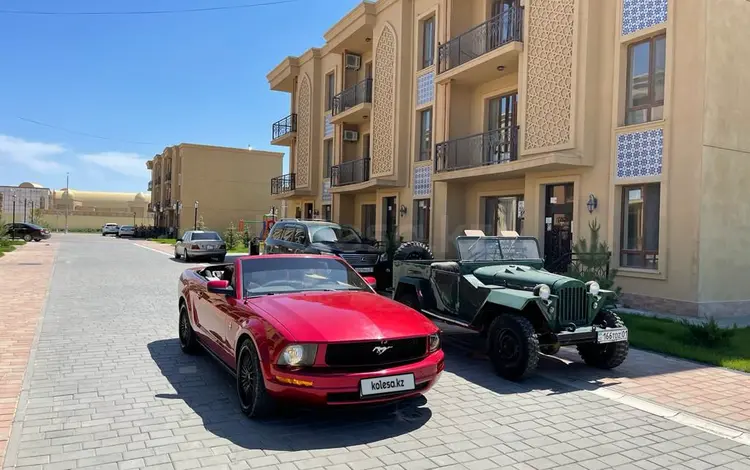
{"x": 6, "y": 246}
{"x": 670, "y": 337}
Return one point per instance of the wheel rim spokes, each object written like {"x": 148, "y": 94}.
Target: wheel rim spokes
{"x": 507, "y": 345}
{"x": 247, "y": 378}
{"x": 184, "y": 329}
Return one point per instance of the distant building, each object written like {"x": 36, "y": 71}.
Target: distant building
{"x": 28, "y": 196}
{"x": 229, "y": 184}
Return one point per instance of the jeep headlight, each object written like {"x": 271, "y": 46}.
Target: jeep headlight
{"x": 298, "y": 355}
{"x": 593, "y": 287}
{"x": 434, "y": 341}
{"x": 543, "y": 291}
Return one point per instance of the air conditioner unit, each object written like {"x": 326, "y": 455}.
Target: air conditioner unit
{"x": 351, "y": 136}
{"x": 353, "y": 61}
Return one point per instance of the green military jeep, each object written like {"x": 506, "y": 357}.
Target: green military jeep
{"x": 499, "y": 288}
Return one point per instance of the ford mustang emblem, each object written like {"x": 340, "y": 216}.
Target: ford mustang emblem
{"x": 379, "y": 350}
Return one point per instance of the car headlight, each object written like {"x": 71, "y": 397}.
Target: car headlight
{"x": 543, "y": 291}
{"x": 434, "y": 342}
{"x": 593, "y": 287}
{"x": 298, "y": 355}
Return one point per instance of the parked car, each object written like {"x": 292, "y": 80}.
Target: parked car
{"x": 110, "y": 229}
{"x": 321, "y": 237}
{"x": 306, "y": 328}
{"x": 126, "y": 231}
{"x": 200, "y": 244}
{"x": 498, "y": 287}
{"x": 27, "y": 231}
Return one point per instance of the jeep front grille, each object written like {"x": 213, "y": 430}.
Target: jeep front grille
{"x": 376, "y": 353}
{"x": 572, "y": 306}
{"x": 361, "y": 260}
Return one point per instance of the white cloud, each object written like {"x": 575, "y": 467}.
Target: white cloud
{"x": 37, "y": 156}
{"x": 128, "y": 164}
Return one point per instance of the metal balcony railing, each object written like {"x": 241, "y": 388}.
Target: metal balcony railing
{"x": 150, "y": 185}
{"x": 490, "y": 148}
{"x": 481, "y": 39}
{"x": 284, "y": 126}
{"x": 353, "y": 96}
{"x": 355, "y": 171}
{"x": 283, "y": 184}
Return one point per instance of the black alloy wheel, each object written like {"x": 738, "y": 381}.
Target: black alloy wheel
{"x": 251, "y": 390}
{"x": 188, "y": 341}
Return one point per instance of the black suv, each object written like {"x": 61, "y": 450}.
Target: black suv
{"x": 321, "y": 237}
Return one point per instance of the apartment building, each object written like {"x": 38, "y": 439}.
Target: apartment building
{"x": 428, "y": 117}
{"x": 222, "y": 185}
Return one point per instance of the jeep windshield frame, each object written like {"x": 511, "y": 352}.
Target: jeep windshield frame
{"x": 497, "y": 249}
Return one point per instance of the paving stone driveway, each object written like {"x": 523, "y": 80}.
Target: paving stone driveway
{"x": 109, "y": 388}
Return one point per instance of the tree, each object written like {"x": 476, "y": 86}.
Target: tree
{"x": 201, "y": 224}
{"x": 591, "y": 260}
{"x": 231, "y": 236}
{"x": 37, "y": 216}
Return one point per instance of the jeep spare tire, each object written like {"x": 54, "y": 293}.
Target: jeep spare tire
{"x": 413, "y": 251}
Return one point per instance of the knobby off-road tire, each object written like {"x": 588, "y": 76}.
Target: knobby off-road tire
{"x": 513, "y": 346}
{"x": 605, "y": 356}
{"x": 413, "y": 251}
{"x": 188, "y": 341}
{"x": 255, "y": 401}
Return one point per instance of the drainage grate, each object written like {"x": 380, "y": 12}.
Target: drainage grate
{"x": 29, "y": 264}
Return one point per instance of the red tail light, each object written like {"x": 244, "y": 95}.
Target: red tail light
{"x": 195, "y": 247}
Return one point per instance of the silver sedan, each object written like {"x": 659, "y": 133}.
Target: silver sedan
{"x": 200, "y": 244}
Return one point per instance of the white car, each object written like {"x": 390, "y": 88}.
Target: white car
{"x": 110, "y": 229}
{"x": 126, "y": 231}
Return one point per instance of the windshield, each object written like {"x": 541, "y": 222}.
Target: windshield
{"x": 205, "y": 236}
{"x": 35, "y": 226}
{"x": 497, "y": 248}
{"x": 263, "y": 276}
{"x": 334, "y": 234}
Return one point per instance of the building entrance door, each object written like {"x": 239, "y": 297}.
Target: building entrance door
{"x": 389, "y": 216}
{"x": 308, "y": 211}
{"x": 558, "y": 223}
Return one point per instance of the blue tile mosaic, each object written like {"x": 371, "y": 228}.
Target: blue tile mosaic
{"x": 642, "y": 14}
{"x": 640, "y": 153}
{"x": 328, "y": 130}
{"x": 425, "y": 88}
{"x": 422, "y": 180}
{"x": 326, "y": 193}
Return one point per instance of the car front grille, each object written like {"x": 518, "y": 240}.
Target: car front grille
{"x": 361, "y": 259}
{"x": 572, "y": 306}
{"x": 365, "y": 354}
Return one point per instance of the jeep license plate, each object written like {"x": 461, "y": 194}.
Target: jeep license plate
{"x": 389, "y": 384}
{"x": 364, "y": 270}
{"x": 611, "y": 335}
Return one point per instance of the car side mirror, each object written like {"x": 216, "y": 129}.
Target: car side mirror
{"x": 371, "y": 281}
{"x": 219, "y": 287}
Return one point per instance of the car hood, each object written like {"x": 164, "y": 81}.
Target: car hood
{"x": 345, "y": 248}
{"x": 519, "y": 276}
{"x": 325, "y": 317}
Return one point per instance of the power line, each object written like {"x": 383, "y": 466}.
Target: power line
{"x": 85, "y": 134}
{"x": 145, "y": 12}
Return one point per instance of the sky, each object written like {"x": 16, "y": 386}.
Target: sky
{"x": 96, "y": 96}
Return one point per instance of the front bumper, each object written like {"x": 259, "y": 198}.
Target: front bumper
{"x": 590, "y": 334}
{"x": 343, "y": 388}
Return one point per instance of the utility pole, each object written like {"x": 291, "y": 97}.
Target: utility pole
{"x": 13, "y": 227}
{"x": 195, "y": 227}
{"x": 32, "y": 211}
{"x": 24, "y": 209}
{"x": 67, "y": 192}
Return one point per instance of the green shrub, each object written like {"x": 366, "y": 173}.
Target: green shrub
{"x": 709, "y": 334}
{"x": 231, "y": 236}
{"x": 592, "y": 258}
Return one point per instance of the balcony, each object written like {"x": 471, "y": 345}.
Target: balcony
{"x": 480, "y": 150}
{"x": 354, "y": 31}
{"x": 353, "y": 105}
{"x": 283, "y": 184}
{"x": 150, "y": 185}
{"x": 284, "y": 130}
{"x": 479, "y": 54}
{"x": 352, "y": 172}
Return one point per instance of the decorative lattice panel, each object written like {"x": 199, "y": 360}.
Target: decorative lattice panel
{"x": 549, "y": 88}
{"x": 328, "y": 129}
{"x": 303, "y": 133}
{"x": 422, "y": 181}
{"x": 640, "y": 153}
{"x": 425, "y": 88}
{"x": 384, "y": 103}
{"x": 326, "y": 190}
{"x": 642, "y": 14}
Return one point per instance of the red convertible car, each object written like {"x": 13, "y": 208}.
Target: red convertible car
{"x": 306, "y": 328}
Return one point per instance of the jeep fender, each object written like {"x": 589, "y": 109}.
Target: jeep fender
{"x": 519, "y": 302}
{"x": 418, "y": 285}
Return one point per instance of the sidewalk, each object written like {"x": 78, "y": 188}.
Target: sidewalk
{"x": 27, "y": 272}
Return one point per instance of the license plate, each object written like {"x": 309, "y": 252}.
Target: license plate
{"x": 209, "y": 247}
{"x": 364, "y": 270}
{"x": 389, "y": 384}
{"x": 611, "y": 335}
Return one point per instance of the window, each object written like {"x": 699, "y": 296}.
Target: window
{"x": 428, "y": 42}
{"x": 503, "y": 214}
{"x": 327, "y": 216}
{"x": 299, "y": 236}
{"x": 639, "y": 246}
{"x": 421, "y": 222}
{"x": 366, "y": 146}
{"x": 645, "y": 80}
{"x": 425, "y": 135}
{"x": 327, "y": 157}
{"x": 330, "y": 90}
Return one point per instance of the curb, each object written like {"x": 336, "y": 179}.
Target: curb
{"x": 678, "y": 416}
